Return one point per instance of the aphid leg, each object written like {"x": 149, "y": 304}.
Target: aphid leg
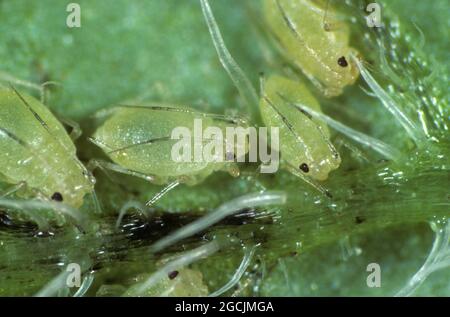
{"x": 76, "y": 130}
{"x": 309, "y": 181}
{"x": 41, "y": 89}
{"x": 252, "y": 200}
{"x": 240, "y": 80}
{"x": 163, "y": 192}
{"x": 13, "y": 189}
{"x": 105, "y": 166}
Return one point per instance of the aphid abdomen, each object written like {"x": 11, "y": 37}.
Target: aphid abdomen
{"x": 36, "y": 149}
{"x": 300, "y": 26}
{"x": 304, "y": 141}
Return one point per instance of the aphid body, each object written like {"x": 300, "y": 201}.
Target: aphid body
{"x": 183, "y": 282}
{"x": 36, "y": 150}
{"x": 304, "y": 141}
{"x": 139, "y": 139}
{"x": 314, "y": 40}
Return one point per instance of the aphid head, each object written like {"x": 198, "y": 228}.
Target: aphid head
{"x": 321, "y": 166}
{"x": 345, "y": 67}
{"x": 71, "y": 187}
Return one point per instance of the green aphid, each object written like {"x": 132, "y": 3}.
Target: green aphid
{"x": 140, "y": 141}
{"x": 180, "y": 283}
{"x": 304, "y": 141}
{"x": 37, "y": 154}
{"x": 313, "y": 38}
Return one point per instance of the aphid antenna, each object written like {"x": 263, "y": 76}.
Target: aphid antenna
{"x": 410, "y": 127}
{"x": 235, "y": 120}
{"x": 45, "y": 127}
{"x": 29, "y": 85}
{"x": 237, "y": 75}
{"x": 252, "y": 200}
{"x": 246, "y": 260}
{"x": 99, "y": 143}
{"x": 179, "y": 262}
{"x": 290, "y": 127}
{"x": 377, "y": 145}
{"x": 163, "y": 192}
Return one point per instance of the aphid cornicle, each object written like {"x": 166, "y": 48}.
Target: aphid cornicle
{"x": 139, "y": 140}
{"x": 304, "y": 141}
{"x": 36, "y": 151}
{"x": 314, "y": 40}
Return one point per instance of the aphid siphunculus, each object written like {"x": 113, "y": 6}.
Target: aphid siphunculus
{"x": 38, "y": 157}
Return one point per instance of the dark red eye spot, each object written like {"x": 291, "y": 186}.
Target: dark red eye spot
{"x": 342, "y": 62}
{"x": 173, "y": 274}
{"x": 57, "y": 196}
{"x": 304, "y": 167}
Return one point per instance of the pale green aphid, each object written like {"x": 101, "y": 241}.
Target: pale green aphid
{"x": 37, "y": 154}
{"x": 138, "y": 139}
{"x": 313, "y": 39}
{"x": 304, "y": 141}
{"x": 178, "y": 283}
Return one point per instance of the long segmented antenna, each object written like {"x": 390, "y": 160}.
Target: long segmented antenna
{"x": 226, "y": 209}
{"x": 373, "y": 143}
{"x": 182, "y": 261}
{"x": 240, "y": 80}
{"x": 409, "y": 126}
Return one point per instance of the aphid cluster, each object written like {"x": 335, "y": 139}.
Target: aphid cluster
{"x": 39, "y": 155}
{"x": 311, "y": 39}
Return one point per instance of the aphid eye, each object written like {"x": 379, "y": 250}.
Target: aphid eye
{"x": 173, "y": 274}
{"x": 57, "y": 196}
{"x": 304, "y": 167}
{"x": 342, "y": 61}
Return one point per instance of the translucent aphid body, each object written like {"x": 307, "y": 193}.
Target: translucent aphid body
{"x": 314, "y": 40}
{"x": 304, "y": 141}
{"x": 180, "y": 283}
{"x": 184, "y": 282}
{"x": 36, "y": 151}
{"x": 139, "y": 139}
